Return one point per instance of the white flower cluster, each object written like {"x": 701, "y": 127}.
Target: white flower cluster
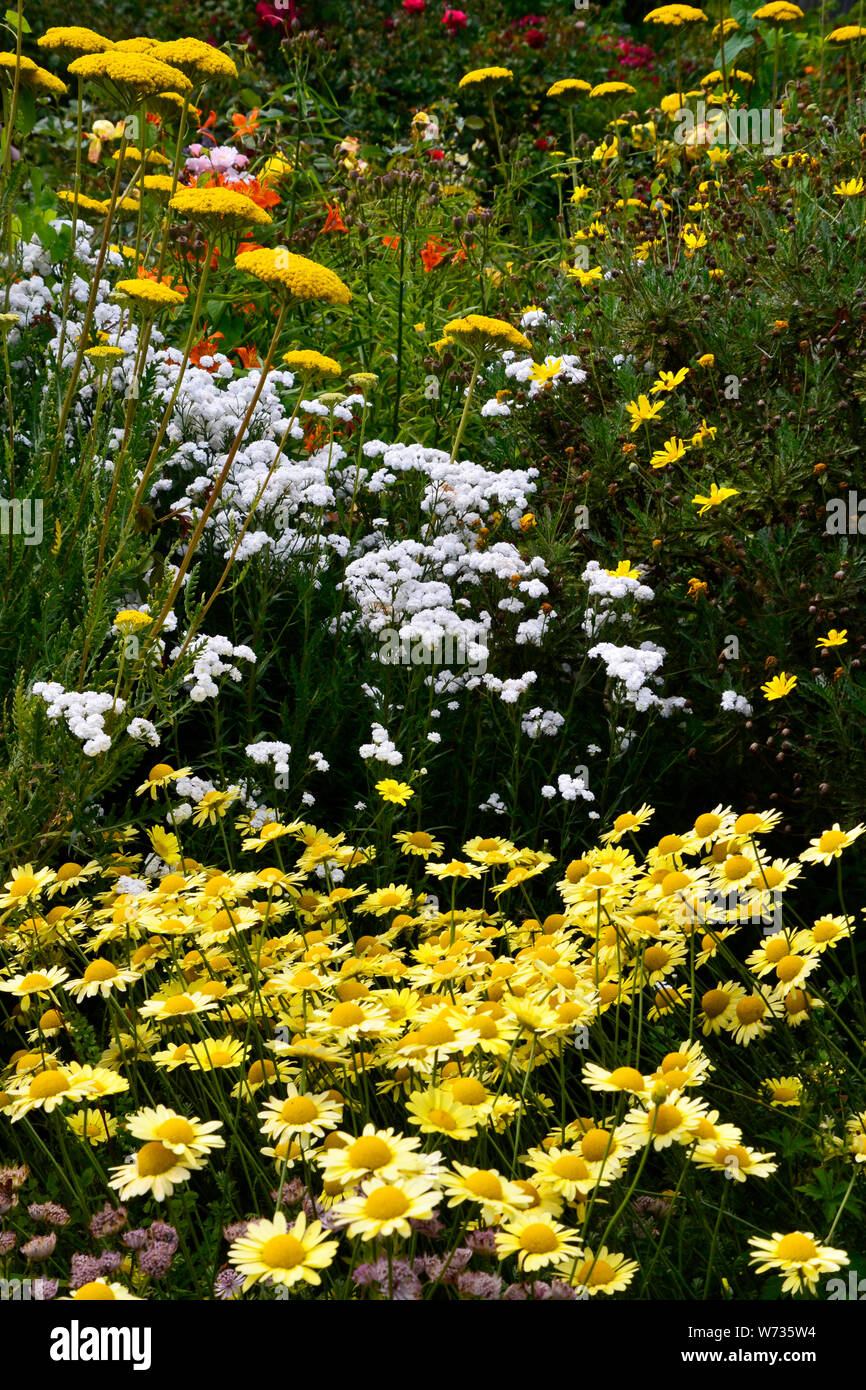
{"x": 213, "y": 657}
{"x": 84, "y": 713}
{"x": 382, "y": 750}
{"x": 495, "y": 804}
{"x": 143, "y": 729}
{"x": 510, "y": 691}
{"x": 731, "y": 701}
{"x": 633, "y": 667}
{"x": 562, "y": 369}
{"x": 605, "y": 590}
{"x": 541, "y": 721}
{"x": 569, "y": 788}
{"x": 319, "y": 762}
{"x": 273, "y": 751}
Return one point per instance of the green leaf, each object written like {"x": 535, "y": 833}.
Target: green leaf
{"x": 474, "y": 122}
{"x": 737, "y": 45}
{"x": 11, "y": 17}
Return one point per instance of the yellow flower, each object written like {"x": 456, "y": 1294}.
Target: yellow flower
{"x": 131, "y": 77}
{"x": 778, "y": 12}
{"x": 642, "y": 409}
{"x": 485, "y": 77}
{"x": 625, "y": 570}
{"x": 668, "y": 381}
{"x": 544, "y": 372}
{"x": 846, "y": 34}
{"x": 850, "y": 188}
{"x": 833, "y": 638}
{"x": 221, "y": 207}
{"x": 312, "y": 363}
{"x": 706, "y": 360}
{"x": 484, "y": 334}
{"x": 796, "y": 1255}
{"x": 673, "y": 16}
{"x": 282, "y": 1255}
{"x": 73, "y": 40}
{"x": 149, "y": 295}
{"x": 716, "y": 497}
{"x": 296, "y": 276}
{"x": 585, "y": 277}
{"x": 671, "y": 450}
{"x": 569, "y": 88}
{"x": 610, "y": 89}
{"x": 697, "y": 588}
{"x": 201, "y": 62}
{"x": 778, "y": 686}
{"x": 397, "y": 793}
{"x": 537, "y": 1240}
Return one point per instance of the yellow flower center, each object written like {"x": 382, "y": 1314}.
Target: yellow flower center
{"x": 667, "y": 1119}
{"x": 789, "y": 968}
{"x": 602, "y": 1273}
{"x": 655, "y": 958}
{"x": 751, "y": 1009}
{"x": 784, "y": 1093}
{"x": 282, "y": 1252}
{"x": 727, "y": 1152}
{"x": 159, "y": 771}
{"x": 796, "y": 1247}
{"x": 36, "y": 980}
{"x": 261, "y": 1071}
{"x": 538, "y": 1239}
{"x": 99, "y": 970}
{"x": 571, "y": 1167}
{"x": 714, "y": 1002}
{"x": 386, "y": 1203}
{"x": 466, "y": 1090}
{"x": 154, "y": 1159}
{"x": 346, "y": 1015}
{"x": 178, "y": 1004}
{"x": 670, "y": 844}
{"x": 67, "y": 871}
{"x": 48, "y": 1083}
{"x": 737, "y": 867}
{"x": 595, "y": 1144}
{"x": 745, "y": 825}
{"x": 298, "y": 1110}
{"x": 825, "y": 931}
{"x": 175, "y": 1131}
{"x": 626, "y": 1079}
{"x": 483, "y": 1183}
{"x": 831, "y": 840}
{"x": 94, "y": 1292}
{"x": 673, "y": 883}
{"x": 442, "y": 1119}
{"x": 626, "y": 822}
{"x": 434, "y": 1034}
{"x": 24, "y": 884}
{"x": 270, "y": 831}
{"x": 369, "y": 1152}
{"x": 707, "y": 825}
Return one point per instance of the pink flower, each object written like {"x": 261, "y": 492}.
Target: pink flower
{"x": 414, "y": 6}
{"x": 455, "y": 19}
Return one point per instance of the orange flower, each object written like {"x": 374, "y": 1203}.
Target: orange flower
{"x": 249, "y": 357}
{"x": 245, "y": 125}
{"x": 392, "y": 242}
{"x": 434, "y": 252}
{"x": 205, "y": 347}
{"x": 211, "y": 120}
{"x": 315, "y": 436}
{"x": 249, "y": 246}
{"x": 334, "y": 221}
{"x": 248, "y": 188}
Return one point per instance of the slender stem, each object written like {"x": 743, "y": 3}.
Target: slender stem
{"x": 468, "y": 402}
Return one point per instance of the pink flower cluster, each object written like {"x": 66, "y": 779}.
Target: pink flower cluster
{"x": 222, "y": 159}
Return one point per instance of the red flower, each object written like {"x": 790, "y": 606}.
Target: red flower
{"x": 436, "y": 154}
{"x": 334, "y": 221}
{"x": 414, "y": 6}
{"x": 272, "y": 16}
{"x": 454, "y": 19}
{"x": 535, "y": 38}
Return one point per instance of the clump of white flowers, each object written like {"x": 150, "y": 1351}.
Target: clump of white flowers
{"x": 84, "y": 712}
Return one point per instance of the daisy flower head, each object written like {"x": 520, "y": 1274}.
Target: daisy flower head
{"x": 275, "y": 1253}
{"x": 784, "y": 1090}
{"x": 384, "y": 1209}
{"x": 102, "y": 1291}
{"x": 418, "y": 843}
{"x": 308, "y": 1113}
{"x": 382, "y": 1154}
{"x": 829, "y": 845}
{"x": 437, "y": 1112}
{"x": 155, "y": 1171}
{"x": 777, "y": 687}
{"x": 537, "y": 1240}
{"x": 497, "y": 1197}
{"x": 606, "y": 1272}
{"x": 623, "y": 1079}
{"x": 672, "y": 1121}
{"x": 394, "y": 792}
{"x": 188, "y": 1139}
{"x": 736, "y": 1161}
{"x": 101, "y": 977}
{"x": 161, "y": 775}
{"x": 628, "y": 822}
{"x": 798, "y": 1256}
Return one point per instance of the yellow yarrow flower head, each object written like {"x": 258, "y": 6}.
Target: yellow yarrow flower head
{"x": 148, "y": 295}
{"x": 569, "y": 89}
{"x": 81, "y": 201}
{"x": 778, "y": 12}
{"x": 483, "y": 334}
{"x": 201, "y": 62}
{"x": 293, "y": 276}
{"x": 30, "y": 74}
{"x": 486, "y": 78}
{"x": 73, "y": 41}
{"x": 161, "y": 185}
{"x": 129, "y": 78}
{"x": 674, "y": 16}
{"x": 612, "y": 89}
{"x": 312, "y": 363}
{"x": 846, "y": 34}
{"x": 219, "y": 207}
